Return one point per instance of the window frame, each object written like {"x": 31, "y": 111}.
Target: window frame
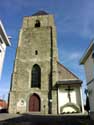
{"x": 36, "y": 76}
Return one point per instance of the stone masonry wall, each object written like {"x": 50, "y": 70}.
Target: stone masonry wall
{"x": 42, "y": 40}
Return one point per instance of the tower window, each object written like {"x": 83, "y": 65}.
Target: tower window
{"x": 36, "y": 52}
{"x": 36, "y": 76}
{"x": 37, "y": 24}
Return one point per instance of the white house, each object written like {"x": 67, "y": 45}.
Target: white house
{"x": 4, "y": 41}
{"x": 88, "y": 61}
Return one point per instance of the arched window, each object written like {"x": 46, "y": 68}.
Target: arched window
{"x": 36, "y": 76}
{"x": 37, "y": 24}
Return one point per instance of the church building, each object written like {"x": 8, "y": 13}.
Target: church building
{"x": 40, "y": 84}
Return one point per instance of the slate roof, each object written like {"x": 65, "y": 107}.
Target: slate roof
{"x": 40, "y": 13}
{"x": 66, "y": 77}
{"x": 65, "y": 73}
{"x": 3, "y": 104}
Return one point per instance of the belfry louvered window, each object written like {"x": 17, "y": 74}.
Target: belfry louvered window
{"x": 36, "y": 76}
{"x": 37, "y": 24}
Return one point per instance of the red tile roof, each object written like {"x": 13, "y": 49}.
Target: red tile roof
{"x": 3, "y": 104}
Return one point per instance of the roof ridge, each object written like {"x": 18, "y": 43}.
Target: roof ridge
{"x": 40, "y": 12}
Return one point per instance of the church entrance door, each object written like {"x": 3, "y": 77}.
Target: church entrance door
{"x": 34, "y": 103}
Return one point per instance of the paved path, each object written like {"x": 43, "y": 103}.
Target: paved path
{"x": 6, "y": 116}
{"x": 33, "y": 119}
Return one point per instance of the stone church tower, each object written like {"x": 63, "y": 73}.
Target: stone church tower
{"x": 35, "y": 70}
{"x": 39, "y": 82}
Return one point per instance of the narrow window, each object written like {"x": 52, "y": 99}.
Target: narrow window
{"x": 36, "y": 76}
{"x": 36, "y": 52}
{"x": 37, "y": 24}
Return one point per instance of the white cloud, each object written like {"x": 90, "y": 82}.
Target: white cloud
{"x": 70, "y": 56}
{"x": 75, "y": 55}
{"x": 71, "y": 61}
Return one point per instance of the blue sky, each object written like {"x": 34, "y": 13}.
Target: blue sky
{"x": 74, "y": 21}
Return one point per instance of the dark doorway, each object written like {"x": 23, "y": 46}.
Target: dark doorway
{"x": 34, "y": 103}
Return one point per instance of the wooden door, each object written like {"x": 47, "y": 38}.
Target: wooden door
{"x": 34, "y": 103}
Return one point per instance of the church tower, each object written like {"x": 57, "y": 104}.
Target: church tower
{"x": 33, "y": 85}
